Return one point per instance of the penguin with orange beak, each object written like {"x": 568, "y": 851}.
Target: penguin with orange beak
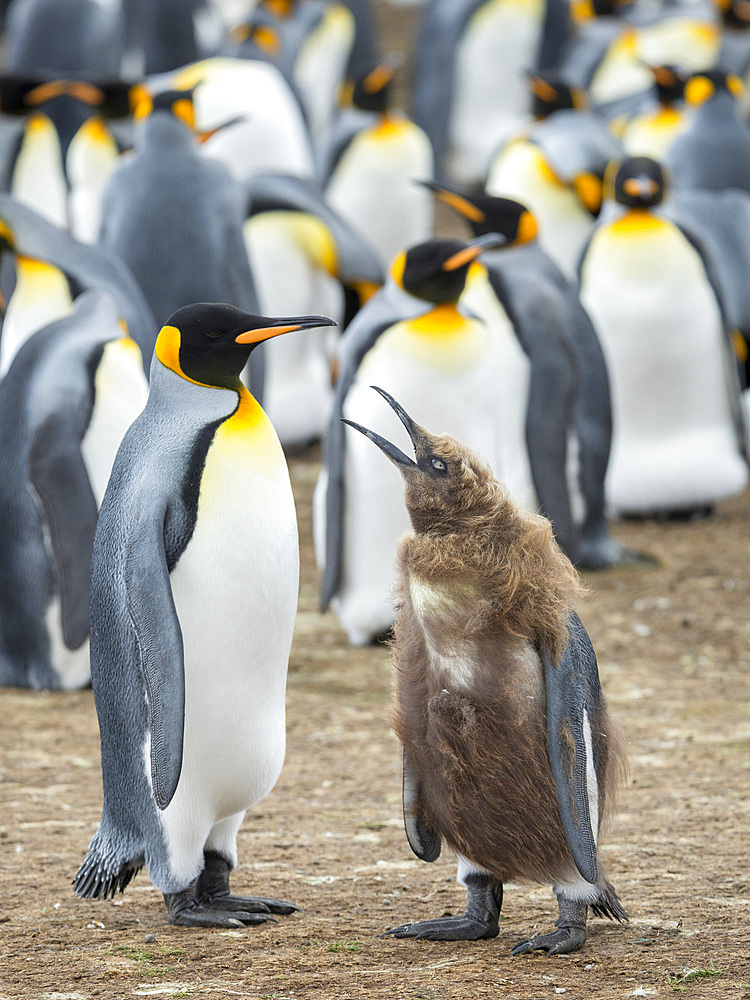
{"x": 195, "y": 575}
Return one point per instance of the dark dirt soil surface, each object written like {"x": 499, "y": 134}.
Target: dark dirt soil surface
{"x": 674, "y": 648}
{"x": 673, "y": 642}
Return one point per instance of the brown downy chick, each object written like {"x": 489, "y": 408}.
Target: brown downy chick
{"x": 509, "y": 753}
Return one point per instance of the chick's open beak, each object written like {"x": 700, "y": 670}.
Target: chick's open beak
{"x": 387, "y": 447}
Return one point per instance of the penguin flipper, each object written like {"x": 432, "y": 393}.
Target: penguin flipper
{"x": 151, "y": 609}
{"x": 423, "y": 840}
{"x": 573, "y": 695}
{"x": 58, "y": 475}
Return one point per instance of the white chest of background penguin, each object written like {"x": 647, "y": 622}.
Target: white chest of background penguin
{"x": 651, "y": 292}
{"x": 194, "y": 587}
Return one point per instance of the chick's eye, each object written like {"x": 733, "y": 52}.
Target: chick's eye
{"x": 439, "y": 464}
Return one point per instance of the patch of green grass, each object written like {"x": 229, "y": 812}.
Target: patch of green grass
{"x": 136, "y": 954}
{"x": 155, "y": 970}
{"x": 677, "y": 983}
{"x": 345, "y": 946}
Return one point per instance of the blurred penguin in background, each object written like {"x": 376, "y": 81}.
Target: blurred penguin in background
{"x": 27, "y": 235}
{"x": 416, "y": 341}
{"x": 304, "y": 257}
{"x": 175, "y": 217}
{"x": 680, "y": 442}
{"x": 470, "y": 61}
{"x": 63, "y": 150}
{"x": 653, "y": 129}
{"x": 554, "y": 400}
{"x": 263, "y": 124}
{"x": 372, "y": 168}
{"x": 466, "y": 54}
{"x": 557, "y": 172}
{"x": 714, "y": 149}
{"x": 72, "y": 391}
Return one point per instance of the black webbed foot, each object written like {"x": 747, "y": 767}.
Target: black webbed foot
{"x": 559, "y": 942}
{"x": 481, "y": 920}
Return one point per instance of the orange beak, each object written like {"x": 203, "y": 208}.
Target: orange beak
{"x": 287, "y": 324}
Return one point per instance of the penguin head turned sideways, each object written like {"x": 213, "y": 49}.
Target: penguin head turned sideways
{"x": 437, "y": 269}
{"x": 371, "y": 88}
{"x": 638, "y": 182}
{"x": 210, "y": 342}
{"x": 486, "y": 213}
{"x": 447, "y": 486}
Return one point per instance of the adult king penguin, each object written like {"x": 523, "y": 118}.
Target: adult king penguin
{"x": 412, "y": 337}
{"x": 555, "y": 397}
{"x": 193, "y": 598}
{"x": 657, "y": 302}
{"x": 67, "y": 399}
{"x": 509, "y": 753}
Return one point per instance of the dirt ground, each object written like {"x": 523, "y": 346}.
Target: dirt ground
{"x": 674, "y": 650}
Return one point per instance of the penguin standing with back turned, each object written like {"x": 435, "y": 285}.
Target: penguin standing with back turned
{"x": 193, "y": 599}
{"x": 509, "y": 753}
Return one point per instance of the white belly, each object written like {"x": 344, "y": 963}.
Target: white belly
{"x": 511, "y": 464}
{"x": 673, "y": 441}
{"x": 290, "y": 282}
{"x": 235, "y": 592}
{"x": 38, "y": 178}
{"x": 455, "y": 393}
{"x": 120, "y": 393}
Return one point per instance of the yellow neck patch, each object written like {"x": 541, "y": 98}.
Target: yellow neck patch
{"x": 637, "y": 220}
{"x": 439, "y": 321}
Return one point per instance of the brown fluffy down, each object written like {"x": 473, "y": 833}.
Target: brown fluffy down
{"x": 481, "y": 579}
{"x": 475, "y": 533}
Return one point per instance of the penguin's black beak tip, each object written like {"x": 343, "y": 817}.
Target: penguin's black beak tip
{"x": 387, "y": 447}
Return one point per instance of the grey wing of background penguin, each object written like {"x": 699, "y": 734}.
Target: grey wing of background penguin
{"x": 713, "y": 274}
{"x": 357, "y": 261}
{"x": 722, "y": 218}
{"x": 443, "y": 22}
{"x": 90, "y": 267}
{"x": 384, "y": 309}
{"x": 592, "y": 410}
{"x": 573, "y": 698}
{"x": 553, "y": 389}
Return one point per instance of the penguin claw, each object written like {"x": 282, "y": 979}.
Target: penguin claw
{"x": 459, "y": 928}
{"x": 559, "y": 942}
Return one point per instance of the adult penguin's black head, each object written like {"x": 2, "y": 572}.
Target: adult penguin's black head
{"x": 549, "y": 93}
{"x": 487, "y": 213}
{"x": 210, "y": 342}
{"x": 670, "y": 83}
{"x": 640, "y": 182}
{"x": 371, "y": 90}
{"x": 437, "y": 270}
